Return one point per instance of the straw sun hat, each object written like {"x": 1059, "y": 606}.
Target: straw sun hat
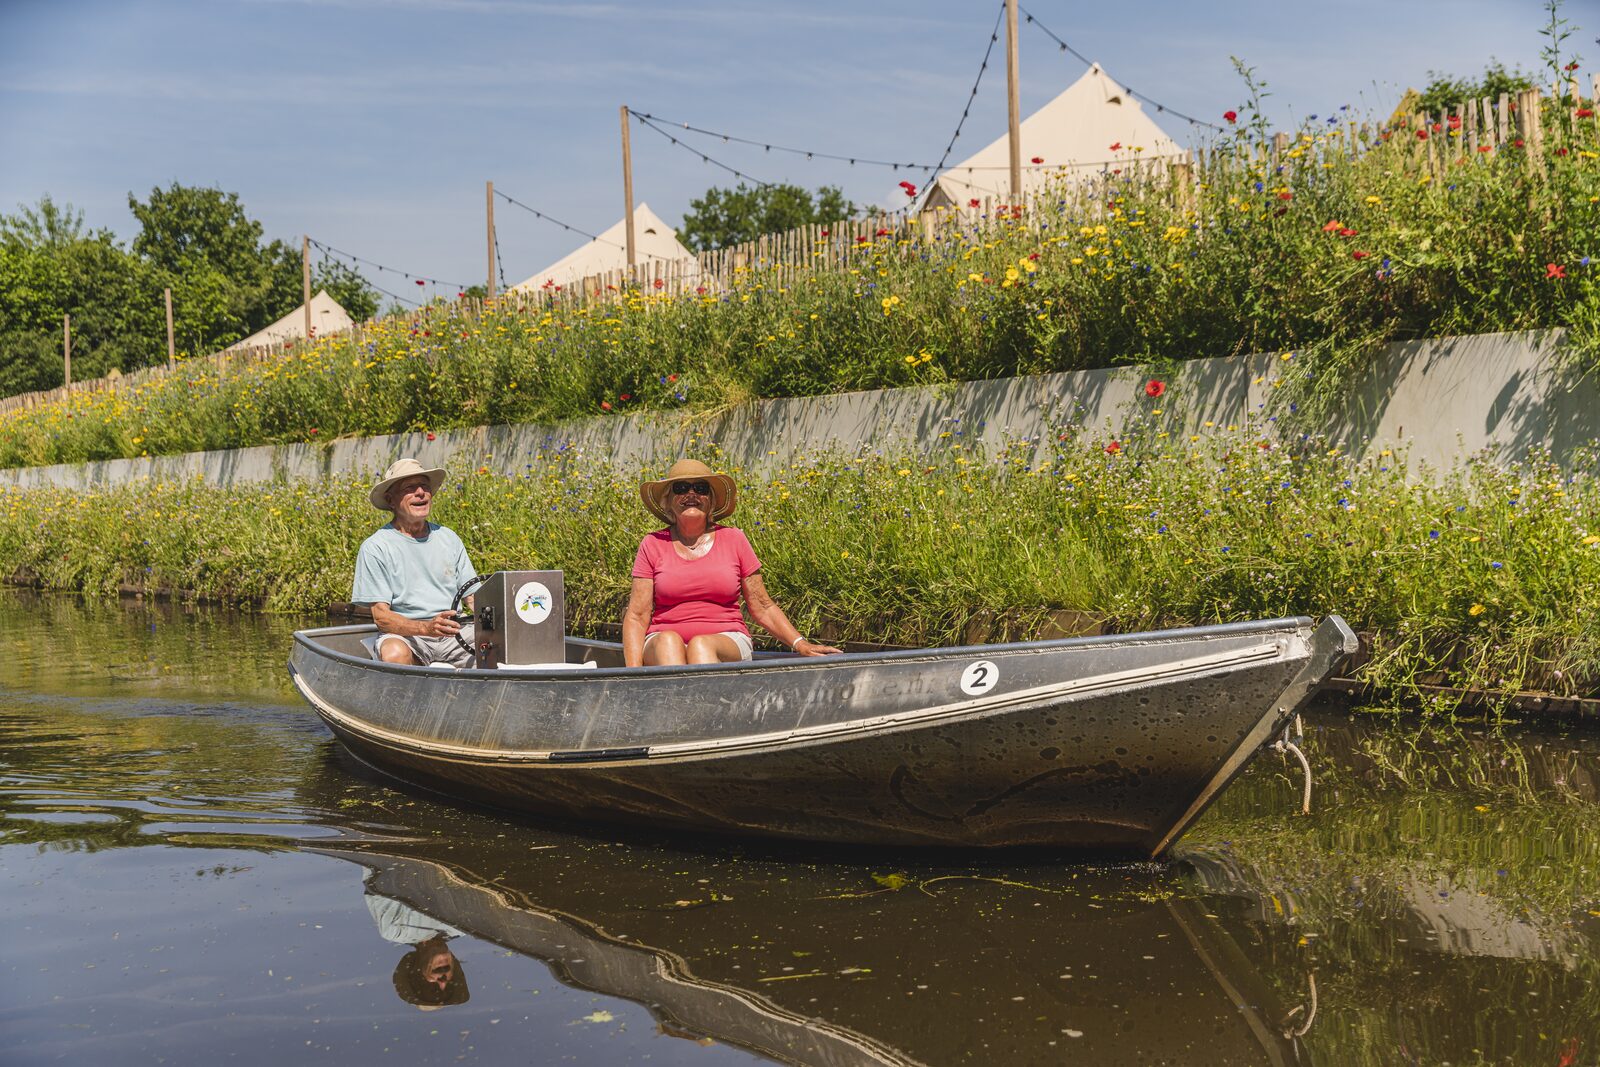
{"x": 399, "y": 471}
{"x": 724, "y": 493}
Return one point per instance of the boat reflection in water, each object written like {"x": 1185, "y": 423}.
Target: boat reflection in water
{"x": 830, "y": 958}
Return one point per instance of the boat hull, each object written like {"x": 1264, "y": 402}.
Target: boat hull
{"x": 1107, "y": 744}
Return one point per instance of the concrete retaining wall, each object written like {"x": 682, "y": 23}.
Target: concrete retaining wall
{"x": 1444, "y": 399}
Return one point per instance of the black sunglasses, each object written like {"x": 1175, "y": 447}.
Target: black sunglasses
{"x": 680, "y": 488}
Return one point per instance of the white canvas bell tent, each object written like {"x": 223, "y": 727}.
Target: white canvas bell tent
{"x": 1093, "y": 125}
{"x": 327, "y": 317}
{"x": 654, "y": 242}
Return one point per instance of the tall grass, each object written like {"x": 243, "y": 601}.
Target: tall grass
{"x": 1480, "y": 576}
{"x": 1330, "y": 246}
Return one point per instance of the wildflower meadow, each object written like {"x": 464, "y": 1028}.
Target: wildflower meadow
{"x": 1328, "y": 243}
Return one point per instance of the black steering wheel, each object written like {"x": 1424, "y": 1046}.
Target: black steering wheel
{"x": 463, "y": 617}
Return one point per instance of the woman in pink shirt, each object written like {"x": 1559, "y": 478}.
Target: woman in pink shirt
{"x": 688, "y": 578}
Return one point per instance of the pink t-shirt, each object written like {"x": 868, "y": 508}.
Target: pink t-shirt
{"x": 697, "y": 596}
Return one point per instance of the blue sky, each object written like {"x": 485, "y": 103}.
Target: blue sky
{"x": 372, "y": 124}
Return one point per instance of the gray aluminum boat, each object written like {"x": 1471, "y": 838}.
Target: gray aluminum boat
{"x": 1105, "y": 744}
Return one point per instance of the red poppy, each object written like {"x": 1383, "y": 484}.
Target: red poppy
{"x": 1033, "y": 255}
{"x": 430, "y": 435}
{"x": 1422, "y": 135}
{"x": 1347, "y": 232}
{"x": 1113, "y": 448}
{"x": 973, "y": 202}
{"x": 1359, "y": 255}
{"x": 1586, "y": 112}
{"x": 1040, "y": 159}
{"x": 1486, "y": 148}
{"x": 1517, "y": 143}
{"x": 827, "y": 233}
{"x": 1285, "y": 195}
{"x": 461, "y": 296}
{"x": 1554, "y": 270}
{"x": 882, "y": 233}
{"x": 700, "y": 289}
{"x": 313, "y": 431}
{"x": 1561, "y": 151}
{"x": 1455, "y": 122}
{"x": 605, "y": 405}
{"x": 427, "y": 333}
{"x": 658, "y": 283}
{"x": 1116, "y": 146}
{"x": 625, "y": 397}
{"x": 861, "y": 240}
{"x": 1231, "y": 116}
{"x": 672, "y": 377}
{"x": 1571, "y": 66}
{"x": 1154, "y": 387}
{"x": 1331, "y": 225}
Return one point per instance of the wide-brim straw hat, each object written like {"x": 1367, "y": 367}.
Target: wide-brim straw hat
{"x": 724, "y": 492}
{"x": 399, "y": 471}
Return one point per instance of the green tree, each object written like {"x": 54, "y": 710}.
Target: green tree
{"x": 729, "y": 216}
{"x": 51, "y": 266}
{"x": 1445, "y": 91}
{"x": 226, "y": 282}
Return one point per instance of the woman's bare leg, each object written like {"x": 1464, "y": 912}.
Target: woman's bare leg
{"x": 713, "y": 648}
{"x": 665, "y": 648}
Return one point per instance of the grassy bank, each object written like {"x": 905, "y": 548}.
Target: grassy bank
{"x": 1328, "y": 246}
{"x": 1485, "y": 576}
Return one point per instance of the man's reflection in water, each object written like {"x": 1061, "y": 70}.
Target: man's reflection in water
{"x": 428, "y": 976}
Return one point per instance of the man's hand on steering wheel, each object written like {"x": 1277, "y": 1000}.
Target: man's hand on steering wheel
{"x": 444, "y": 624}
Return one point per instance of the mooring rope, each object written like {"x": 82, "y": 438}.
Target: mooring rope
{"x": 1282, "y": 745}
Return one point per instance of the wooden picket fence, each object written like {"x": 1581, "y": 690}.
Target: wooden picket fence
{"x": 1437, "y": 142}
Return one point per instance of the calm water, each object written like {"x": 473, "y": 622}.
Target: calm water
{"x": 192, "y": 874}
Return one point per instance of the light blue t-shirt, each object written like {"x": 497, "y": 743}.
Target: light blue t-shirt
{"x": 416, "y": 578}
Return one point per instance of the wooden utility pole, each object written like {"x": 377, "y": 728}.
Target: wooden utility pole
{"x": 488, "y": 199}
{"x": 172, "y": 352}
{"x": 66, "y": 349}
{"x": 627, "y": 186}
{"x": 305, "y": 280}
{"x": 1013, "y": 101}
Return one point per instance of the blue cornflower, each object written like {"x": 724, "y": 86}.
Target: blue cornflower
{"x": 1433, "y": 535}
{"x": 1497, "y": 565}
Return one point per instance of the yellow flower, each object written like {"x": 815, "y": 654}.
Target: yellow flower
{"x": 845, "y": 554}
{"x": 1476, "y": 609}
{"x": 1592, "y": 539}
{"x": 904, "y": 472}
{"x": 1374, "y": 199}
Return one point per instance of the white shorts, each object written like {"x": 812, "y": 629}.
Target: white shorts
{"x": 746, "y": 649}
{"x": 431, "y": 650}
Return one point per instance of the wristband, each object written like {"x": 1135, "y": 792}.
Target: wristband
{"x": 795, "y": 647}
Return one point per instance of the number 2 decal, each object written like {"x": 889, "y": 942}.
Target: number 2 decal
{"x": 979, "y": 677}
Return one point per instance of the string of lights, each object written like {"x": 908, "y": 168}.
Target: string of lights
{"x": 808, "y": 153}
{"x": 1130, "y": 90}
{"x": 419, "y": 278}
{"x": 703, "y": 157}
{"x": 499, "y": 262}
{"x": 994, "y": 36}
{"x": 567, "y": 226}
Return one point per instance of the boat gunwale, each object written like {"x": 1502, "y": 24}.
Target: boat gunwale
{"x": 771, "y": 662}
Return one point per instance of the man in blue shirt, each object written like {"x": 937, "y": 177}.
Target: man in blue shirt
{"x": 409, "y": 571}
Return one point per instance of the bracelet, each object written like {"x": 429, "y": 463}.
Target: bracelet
{"x": 795, "y": 647}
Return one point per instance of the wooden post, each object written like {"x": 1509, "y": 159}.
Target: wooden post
{"x": 488, "y": 199}
{"x": 627, "y": 185}
{"x": 66, "y": 351}
{"x": 172, "y": 351}
{"x": 1013, "y": 100}
{"x": 305, "y": 280}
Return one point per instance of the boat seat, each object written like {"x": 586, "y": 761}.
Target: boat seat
{"x": 587, "y": 664}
